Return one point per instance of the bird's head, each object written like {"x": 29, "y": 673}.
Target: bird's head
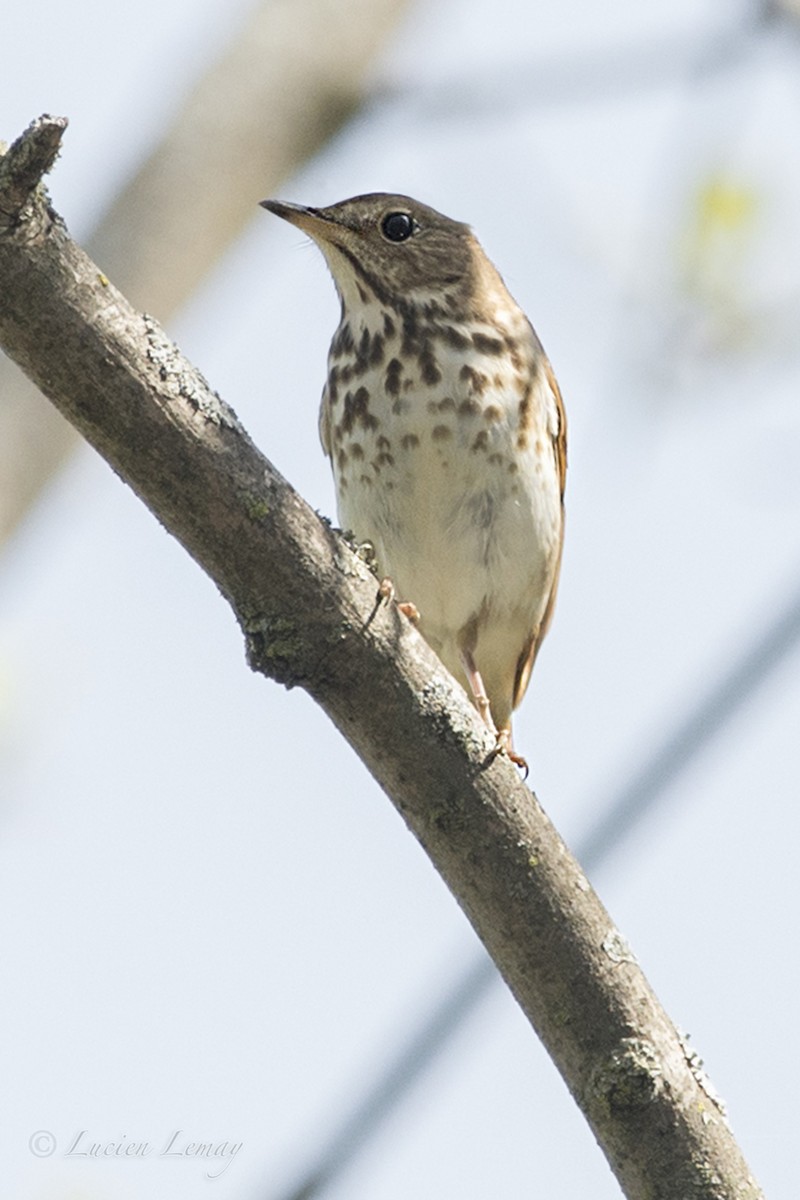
{"x": 391, "y": 247}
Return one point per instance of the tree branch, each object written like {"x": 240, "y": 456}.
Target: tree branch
{"x": 308, "y": 610}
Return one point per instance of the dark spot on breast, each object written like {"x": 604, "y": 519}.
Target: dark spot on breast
{"x": 429, "y": 368}
{"x": 469, "y": 408}
{"x": 388, "y": 326}
{"x": 345, "y": 374}
{"x": 376, "y": 351}
{"x": 431, "y": 310}
{"x": 512, "y": 468}
{"x": 476, "y": 379}
{"x": 363, "y": 294}
{"x": 485, "y": 344}
{"x": 394, "y": 372}
{"x": 525, "y": 408}
{"x": 383, "y": 460}
{"x": 481, "y": 442}
{"x": 341, "y": 459}
{"x": 513, "y": 352}
{"x": 400, "y": 405}
{"x": 441, "y": 433}
{"x": 492, "y": 413}
{"x": 452, "y": 337}
{"x": 356, "y": 412}
{"x": 357, "y": 450}
{"x": 446, "y": 404}
{"x": 362, "y": 353}
{"x": 410, "y": 344}
{"x": 342, "y": 341}
{"x": 366, "y": 480}
{"x": 409, "y": 441}
{"x": 383, "y": 443}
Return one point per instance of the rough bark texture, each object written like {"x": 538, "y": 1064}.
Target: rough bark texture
{"x": 290, "y": 76}
{"x": 307, "y": 607}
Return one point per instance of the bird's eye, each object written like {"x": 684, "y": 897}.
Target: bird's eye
{"x": 397, "y": 226}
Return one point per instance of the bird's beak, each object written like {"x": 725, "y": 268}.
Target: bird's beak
{"x": 310, "y": 220}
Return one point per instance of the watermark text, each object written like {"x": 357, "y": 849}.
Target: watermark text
{"x": 215, "y": 1154}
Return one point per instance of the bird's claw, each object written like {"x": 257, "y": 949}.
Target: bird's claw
{"x": 503, "y": 745}
{"x": 386, "y": 594}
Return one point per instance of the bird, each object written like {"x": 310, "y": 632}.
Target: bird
{"x": 447, "y": 437}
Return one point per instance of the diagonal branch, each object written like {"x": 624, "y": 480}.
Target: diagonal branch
{"x": 307, "y": 607}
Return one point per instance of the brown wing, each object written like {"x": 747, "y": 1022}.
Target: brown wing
{"x": 559, "y": 442}
{"x": 560, "y": 438}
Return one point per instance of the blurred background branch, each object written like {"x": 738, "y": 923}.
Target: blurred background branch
{"x": 291, "y": 75}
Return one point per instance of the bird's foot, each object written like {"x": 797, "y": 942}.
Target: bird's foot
{"x": 504, "y": 745}
{"x": 386, "y": 594}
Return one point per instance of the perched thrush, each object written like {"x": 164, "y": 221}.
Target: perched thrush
{"x": 447, "y": 437}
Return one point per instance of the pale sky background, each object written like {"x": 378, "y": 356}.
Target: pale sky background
{"x": 213, "y": 922}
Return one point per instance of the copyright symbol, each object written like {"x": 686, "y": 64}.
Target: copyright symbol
{"x": 42, "y": 1143}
